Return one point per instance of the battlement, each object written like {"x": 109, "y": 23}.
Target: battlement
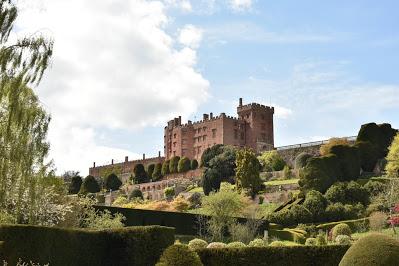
{"x": 255, "y": 106}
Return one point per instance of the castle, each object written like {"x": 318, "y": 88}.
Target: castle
{"x": 252, "y": 128}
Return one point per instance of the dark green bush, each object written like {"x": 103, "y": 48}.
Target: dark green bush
{"x": 179, "y": 255}
{"x": 173, "y": 164}
{"x": 165, "y": 168}
{"x": 136, "y": 193}
{"x": 341, "y": 229}
{"x": 211, "y": 153}
{"x": 302, "y": 159}
{"x": 374, "y": 187}
{"x": 353, "y": 224}
{"x": 316, "y": 204}
{"x": 294, "y": 235}
{"x": 278, "y": 256}
{"x": 340, "y": 212}
{"x": 150, "y": 170}
{"x": 368, "y": 155}
{"x": 112, "y": 182}
{"x": 90, "y": 185}
{"x": 372, "y": 250}
{"x": 140, "y": 175}
{"x": 61, "y": 246}
{"x": 194, "y": 164}
{"x": 157, "y": 174}
{"x": 74, "y": 186}
{"x": 348, "y": 193}
{"x": 287, "y": 217}
{"x": 184, "y": 165}
{"x": 348, "y": 157}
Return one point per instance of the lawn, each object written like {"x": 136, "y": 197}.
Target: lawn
{"x": 282, "y": 182}
{"x": 197, "y": 189}
{"x": 387, "y": 231}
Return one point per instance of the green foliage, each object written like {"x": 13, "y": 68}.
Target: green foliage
{"x": 150, "y": 170}
{"x": 184, "y": 165}
{"x": 257, "y": 243}
{"x": 173, "y": 164}
{"x": 353, "y": 224}
{"x": 311, "y": 241}
{"x": 321, "y": 239}
{"x": 392, "y": 167}
{"x": 375, "y": 187}
{"x": 179, "y": 255}
{"x": 140, "y": 175}
{"x": 302, "y": 159}
{"x": 62, "y": 246}
{"x": 272, "y": 161}
{"x": 320, "y": 173}
{"x": 293, "y": 235}
{"x": 136, "y": 193}
{"x": 165, "y": 168}
{"x": 349, "y": 162}
{"x": 236, "y": 244}
{"x": 90, "y": 185}
{"x": 343, "y": 240}
{"x": 197, "y": 243}
{"x": 316, "y": 204}
{"x": 348, "y": 193}
{"x": 194, "y": 164}
{"x": 373, "y": 249}
{"x": 211, "y": 153}
{"x": 295, "y": 215}
{"x": 368, "y": 155}
{"x": 111, "y": 169}
{"x": 247, "y": 171}
{"x": 74, "y": 186}
{"x": 326, "y": 148}
{"x": 340, "y": 212}
{"x": 103, "y": 220}
{"x": 112, "y": 182}
{"x": 169, "y": 192}
{"x": 274, "y": 255}
{"x": 341, "y": 229}
{"x": 216, "y": 245}
{"x": 157, "y": 174}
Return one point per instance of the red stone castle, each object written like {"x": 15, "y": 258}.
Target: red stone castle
{"x": 252, "y": 128}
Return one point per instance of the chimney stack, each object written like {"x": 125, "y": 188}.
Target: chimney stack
{"x": 126, "y": 159}
{"x": 189, "y": 122}
{"x": 240, "y": 102}
{"x": 94, "y": 164}
{"x": 159, "y": 154}
{"x": 211, "y": 115}
{"x": 143, "y": 156}
{"x": 112, "y": 161}
{"x": 179, "y": 120}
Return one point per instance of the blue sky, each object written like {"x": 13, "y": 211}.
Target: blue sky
{"x": 327, "y": 66}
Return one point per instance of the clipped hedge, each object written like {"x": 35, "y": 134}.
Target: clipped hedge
{"x": 61, "y": 246}
{"x": 294, "y": 235}
{"x": 287, "y": 255}
{"x": 353, "y": 224}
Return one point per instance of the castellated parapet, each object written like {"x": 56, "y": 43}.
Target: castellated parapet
{"x": 253, "y": 128}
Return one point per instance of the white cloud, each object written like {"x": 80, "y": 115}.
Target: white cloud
{"x": 281, "y": 112}
{"x": 190, "y": 36}
{"x": 240, "y": 5}
{"x": 114, "y": 67}
{"x": 184, "y": 5}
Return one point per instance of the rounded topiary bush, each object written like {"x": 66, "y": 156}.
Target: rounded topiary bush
{"x": 257, "y": 242}
{"x": 372, "y": 250}
{"x": 311, "y": 241}
{"x": 277, "y": 244}
{"x": 343, "y": 240}
{"x": 216, "y": 245}
{"x": 341, "y": 229}
{"x": 90, "y": 185}
{"x": 112, "y": 182}
{"x": 302, "y": 159}
{"x": 236, "y": 245}
{"x": 179, "y": 255}
{"x": 197, "y": 244}
{"x": 136, "y": 194}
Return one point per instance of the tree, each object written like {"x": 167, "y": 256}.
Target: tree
{"x": 184, "y": 165}
{"x": 247, "y": 171}
{"x": 326, "y": 148}
{"x": 90, "y": 185}
{"x": 211, "y": 153}
{"x": 112, "y": 182}
{"x": 348, "y": 157}
{"x": 173, "y": 164}
{"x": 392, "y": 167}
{"x": 194, "y": 164}
{"x": 165, "y": 168}
{"x": 150, "y": 170}
{"x": 76, "y": 183}
{"x": 272, "y": 161}
{"x": 315, "y": 203}
{"x": 157, "y": 174}
{"x": 136, "y": 193}
{"x": 140, "y": 175}
{"x": 302, "y": 159}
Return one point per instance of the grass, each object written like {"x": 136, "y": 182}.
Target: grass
{"x": 386, "y": 231}
{"x": 282, "y": 182}
{"x": 197, "y": 189}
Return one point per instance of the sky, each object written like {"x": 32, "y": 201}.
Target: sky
{"x": 122, "y": 68}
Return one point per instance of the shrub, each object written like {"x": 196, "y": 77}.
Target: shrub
{"x": 136, "y": 193}
{"x": 169, "y": 192}
{"x": 236, "y": 244}
{"x": 173, "y": 164}
{"x": 90, "y": 185}
{"x": 121, "y": 200}
{"x": 339, "y": 211}
{"x": 64, "y": 246}
{"x": 216, "y": 245}
{"x": 302, "y": 159}
{"x": 76, "y": 183}
{"x": 243, "y": 232}
{"x": 195, "y": 200}
{"x": 311, "y": 241}
{"x": 165, "y": 168}
{"x": 157, "y": 174}
{"x": 367, "y": 154}
{"x": 180, "y": 204}
{"x": 348, "y": 157}
{"x": 350, "y": 193}
{"x": 184, "y": 165}
{"x": 112, "y": 182}
{"x": 194, "y": 164}
{"x": 197, "y": 243}
{"x": 261, "y": 199}
{"x": 150, "y": 170}
{"x": 341, "y": 229}
{"x": 343, "y": 240}
{"x": 271, "y": 161}
{"x": 247, "y": 171}
{"x": 316, "y": 204}
{"x": 321, "y": 239}
{"x": 326, "y": 148}
{"x": 257, "y": 243}
{"x": 179, "y": 255}
{"x": 277, "y": 244}
{"x": 375, "y": 188}
{"x": 140, "y": 175}
{"x": 211, "y": 153}
{"x": 373, "y": 249}
{"x": 378, "y": 221}
{"x": 392, "y": 167}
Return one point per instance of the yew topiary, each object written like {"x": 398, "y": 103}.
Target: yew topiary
{"x": 179, "y": 255}
{"x": 372, "y": 250}
{"x": 341, "y": 229}
{"x": 236, "y": 245}
{"x": 257, "y": 243}
{"x": 197, "y": 243}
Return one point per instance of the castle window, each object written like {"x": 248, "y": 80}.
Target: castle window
{"x": 204, "y": 129}
{"x": 199, "y": 130}
{"x": 174, "y": 144}
{"x": 214, "y": 133}
{"x": 204, "y": 137}
{"x": 235, "y": 133}
{"x": 174, "y": 135}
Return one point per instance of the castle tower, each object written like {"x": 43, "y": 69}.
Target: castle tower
{"x": 259, "y": 125}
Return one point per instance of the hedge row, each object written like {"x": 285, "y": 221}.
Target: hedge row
{"x": 61, "y": 246}
{"x": 294, "y": 255}
{"x": 353, "y": 224}
{"x": 184, "y": 223}
{"x": 294, "y": 235}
